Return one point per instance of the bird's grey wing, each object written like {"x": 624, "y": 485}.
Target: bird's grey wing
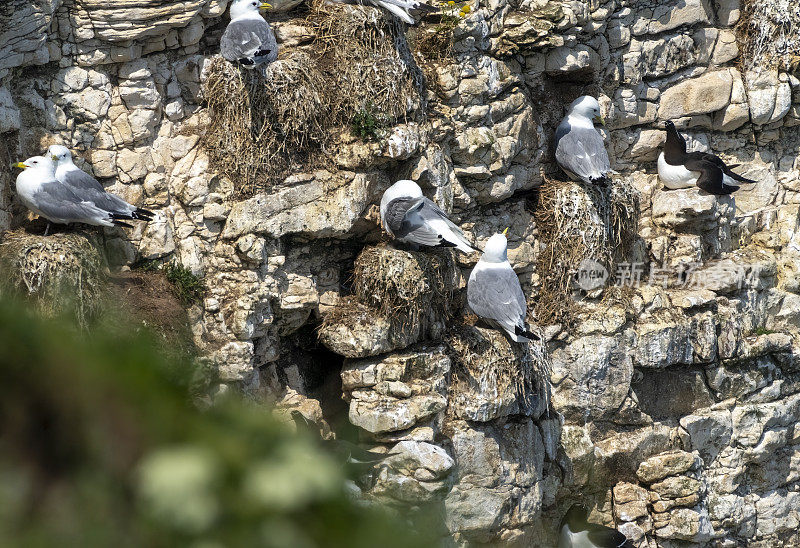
{"x": 396, "y": 212}
{"x": 80, "y": 180}
{"x": 496, "y": 294}
{"x": 57, "y": 201}
{"x": 89, "y": 189}
{"x": 244, "y": 39}
{"x": 583, "y": 152}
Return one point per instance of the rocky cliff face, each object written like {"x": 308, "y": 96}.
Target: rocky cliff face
{"x": 674, "y": 395}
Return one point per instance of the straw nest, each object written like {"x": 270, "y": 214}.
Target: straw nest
{"x": 63, "y": 272}
{"x": 577, "y": 222}
{"x": 769, "y": 34}
{"x": 266, "y": 124}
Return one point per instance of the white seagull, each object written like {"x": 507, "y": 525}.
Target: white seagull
{"x": 41, "y": 192}
{"x": 248, "y": 38}
{"x": 580, "y": 150}
{"x": 494, "y": 292}
{"x": 90, "y": 189}
{"x": 406, "y": 10}
{"x": 410, "y": 217}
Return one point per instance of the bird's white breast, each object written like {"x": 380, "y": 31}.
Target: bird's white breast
{"x": 575, "y": 540}
{"x": 675, "y": 176}
{"x": 28, "y": 183}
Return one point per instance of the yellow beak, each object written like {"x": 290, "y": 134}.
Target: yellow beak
{"x": 264, "y": 6}
{"x": 54, "y": 157}
{"x": 20, "y": 165}
{"x": 600, "y": 120}
{"x": 505, "y": 232}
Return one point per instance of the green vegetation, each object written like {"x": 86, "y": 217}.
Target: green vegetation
{"x": 102, "y": 445}
{"x": 189, "y": 286}
{"x": 369, "y": 125}
{"x": 760, "y": 330}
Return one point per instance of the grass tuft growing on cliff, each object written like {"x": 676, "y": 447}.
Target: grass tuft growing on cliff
{"x": 262, "y": 129}
{"x": 577, "y": 222}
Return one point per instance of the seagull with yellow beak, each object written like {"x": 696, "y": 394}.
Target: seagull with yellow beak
{"x": 495, "y": 294}
{"x": 42, "y": 193}
{"x": 580, "y": 150}
{"x": 248, "y": 38}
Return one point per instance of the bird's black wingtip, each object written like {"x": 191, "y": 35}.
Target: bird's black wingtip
{"x": 525, "y": 333}
{"x": 117, "y": 222}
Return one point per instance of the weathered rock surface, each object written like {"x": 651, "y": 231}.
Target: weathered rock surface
{"x": 674, "y": 400}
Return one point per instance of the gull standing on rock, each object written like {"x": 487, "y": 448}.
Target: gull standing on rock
{"x": 41, "y": 192}
{"x": 577, "y": 532}
{"x": 580, "y": 150}
{"x": 88, "y": 188}
{"x": 494, "y": 292}
{"x": 680, "y": 169}
{"x": 410, "y": 217}
{"x": 248, "y": 38}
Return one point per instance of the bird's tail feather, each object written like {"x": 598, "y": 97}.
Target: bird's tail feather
{"x": 117, "y": 222}
{"x": 525, "y": 333}
{"x": 727, "y": 171}
{"x": 143, "y": 214}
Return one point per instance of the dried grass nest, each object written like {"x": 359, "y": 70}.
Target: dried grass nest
{"x": 576, "y": 222}
{"x": 769, "y": 34}
{"x": 405, "y": 287}
{"x": 479, "y": 362}
{"x": 63, "y": 272}
{"x": 262, "y": 127}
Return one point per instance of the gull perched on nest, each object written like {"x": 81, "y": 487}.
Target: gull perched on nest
{"x": 494, "y": 292}
{"x": 680, "y": 169}
{"x": 41, "y": 192}
{"x": 580, "y": 150}
{"x": 248, "y": 39}
{"x": 410, "y": 217}
{"x": 403, "y": 9}
{"x": 89, "y": 189}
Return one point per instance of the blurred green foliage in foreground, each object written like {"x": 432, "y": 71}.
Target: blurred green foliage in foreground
{"x": 102, "y": 445}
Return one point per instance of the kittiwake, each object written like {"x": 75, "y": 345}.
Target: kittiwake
{"x": 248, "y": 38}
{"x": 577, "y": 532}
{"x": 680, "y": 169}
{"x": 90, "y": 189}
{"x": 494, "y": 292}
{"x": 406, "y": 10}
{"x": 580, "y": 150}
{"x": 41, "y": 192}
{"x": 410, "y": 217}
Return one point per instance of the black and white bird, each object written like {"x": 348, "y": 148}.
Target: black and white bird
{"x": 248, "y": 39}
{"x": 410, "y": 217}
{"x": 680, "y": 169}
{"x": 580, "y": 150}
{"x": 89, "y": 189}
{"x": 406, "y": 10}
{"x": 577, "y": 532}
{"x": 494, "y": 292}
{"x": 42, "y": 193}
{"x": 356, "y": 460}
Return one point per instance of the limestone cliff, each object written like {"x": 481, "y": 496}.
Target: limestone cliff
{"x": 674, "y": 396}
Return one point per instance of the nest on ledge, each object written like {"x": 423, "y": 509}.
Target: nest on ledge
{"x": 264, "y": 127}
